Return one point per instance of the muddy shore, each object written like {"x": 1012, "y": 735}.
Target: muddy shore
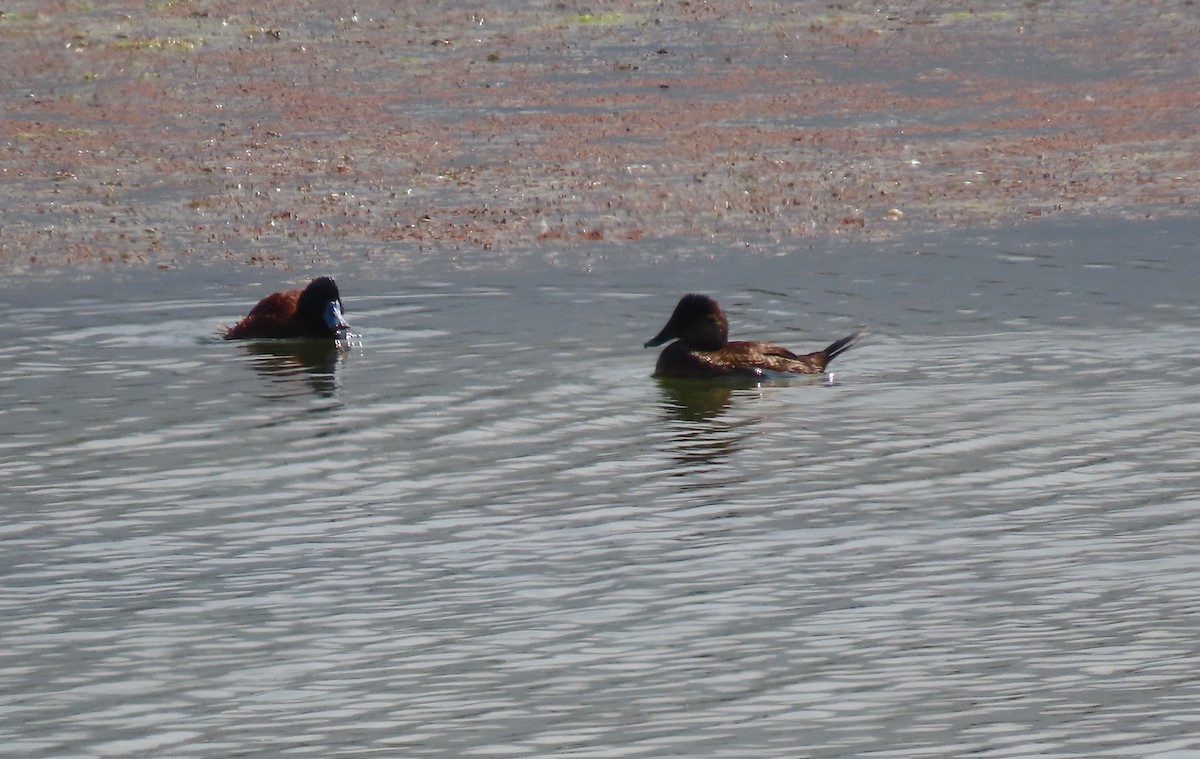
{"x": 163, "y": 133}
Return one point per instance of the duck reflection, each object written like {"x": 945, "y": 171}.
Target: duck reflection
{"x": 691, "y": 401}
{"x": 700, "y": 432}
{"x": 315, "y": 362}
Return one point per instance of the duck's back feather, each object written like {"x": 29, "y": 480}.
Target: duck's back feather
{"x": 271, "y": 317}
{"x": 746, "y": 358}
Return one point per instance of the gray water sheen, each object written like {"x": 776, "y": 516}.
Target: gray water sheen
{"x": 485, "y": 531}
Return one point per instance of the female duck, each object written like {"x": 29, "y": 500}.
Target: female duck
{"x": 315, "y": 312}
{"x": 702, "y": 348}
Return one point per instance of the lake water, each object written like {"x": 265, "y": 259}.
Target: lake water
{"x": 485, "y": 531}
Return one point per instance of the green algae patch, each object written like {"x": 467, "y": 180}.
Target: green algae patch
{"x": 598, "y": 19}
{"x": 158, "y": 43}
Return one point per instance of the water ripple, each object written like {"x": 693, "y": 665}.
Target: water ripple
{"x": 990, "y": 552}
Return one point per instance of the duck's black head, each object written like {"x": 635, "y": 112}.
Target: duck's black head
{"x": 320, "y": 307}
{"x": 698, "y": 322}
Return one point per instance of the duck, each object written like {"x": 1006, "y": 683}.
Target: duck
{"x": 314, "y": 312}
{"x": 702, "y": 349}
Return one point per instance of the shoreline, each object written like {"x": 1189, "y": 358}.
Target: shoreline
{"x": 187, "y": 131}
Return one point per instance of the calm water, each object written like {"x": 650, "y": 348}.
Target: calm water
{"x": 484, "y": 530}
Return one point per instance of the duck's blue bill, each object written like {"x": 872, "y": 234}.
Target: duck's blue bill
{"x": 333, "y": 316}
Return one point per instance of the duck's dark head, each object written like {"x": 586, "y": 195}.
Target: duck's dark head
{"x": 320, "y": 307}
{"x": 698, "y": 322}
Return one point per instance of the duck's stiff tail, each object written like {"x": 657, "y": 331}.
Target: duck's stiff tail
{"x": 838, "y": 347}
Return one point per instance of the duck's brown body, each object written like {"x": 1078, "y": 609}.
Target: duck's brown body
{"x": 702, "y": 350}
{"x": 314, "y": 312}
{"x": 739, "y": 358}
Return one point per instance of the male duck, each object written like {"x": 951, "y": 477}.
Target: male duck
{"x": 315, "y": 312}
{"x": 702, "y": 347}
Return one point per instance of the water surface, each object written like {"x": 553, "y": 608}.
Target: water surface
{"x": 485, "y": 530}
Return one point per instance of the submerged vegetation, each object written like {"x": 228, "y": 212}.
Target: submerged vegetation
{"x": 451, "y": 128}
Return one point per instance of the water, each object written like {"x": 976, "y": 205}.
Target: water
{"x": 484, "y": 530}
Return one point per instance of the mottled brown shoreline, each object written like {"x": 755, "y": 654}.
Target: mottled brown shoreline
{"x": 172, "y": 131}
